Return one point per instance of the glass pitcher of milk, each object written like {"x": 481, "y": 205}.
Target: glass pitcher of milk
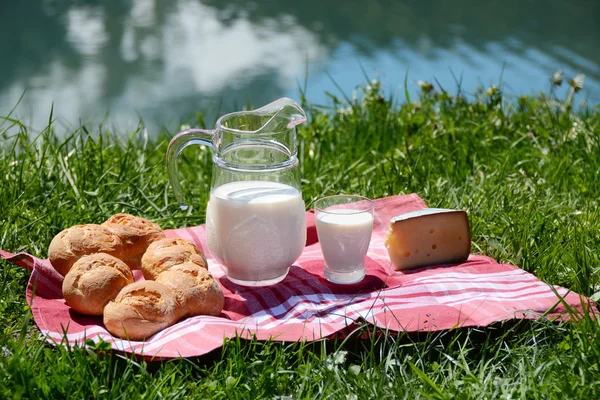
{"x": 255, "y": 221}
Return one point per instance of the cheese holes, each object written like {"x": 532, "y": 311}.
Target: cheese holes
{"x": 432, "y": 230}
{"x": 417, "y": 250}
{"x": 434, "y": 246}
{"x": 407, "y": 254}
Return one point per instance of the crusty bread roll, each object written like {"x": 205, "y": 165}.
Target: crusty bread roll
{"x": 81, "y": 240}
{"x": 140, "y": 310}
{"x": 165, "y": 253}
{"x": 93, "y": 281}
{"x": 195, "y": 289}
{"x": 136, "y": 234}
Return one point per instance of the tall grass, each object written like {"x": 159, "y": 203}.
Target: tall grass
{"x": 527, "y": 170}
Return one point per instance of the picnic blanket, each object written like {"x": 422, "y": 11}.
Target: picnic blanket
{"x": 305, "y": 306}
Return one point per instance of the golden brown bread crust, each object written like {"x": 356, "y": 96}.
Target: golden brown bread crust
{"x": 166, "y": 253}
{"x": 80, "y": 240}
{"x": 136, "y": 234}
{"x": 195, "y": 289}
{"x": 140, "y": 310}
{"x": 93, "y": 281}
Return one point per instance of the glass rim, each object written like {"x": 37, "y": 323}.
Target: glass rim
{"x": 358, "y": 198}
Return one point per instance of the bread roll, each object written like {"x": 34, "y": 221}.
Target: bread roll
{"x": 195, "y": 289}
{"x": 93, "y": 281}
{"x": 140, "y": 310}
{"x": 81, "y": 240}
{"x": 165, "y": 253}
{"x": 136, "y": 234}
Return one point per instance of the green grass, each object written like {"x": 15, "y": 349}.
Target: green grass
{"x": 527, "y": 169}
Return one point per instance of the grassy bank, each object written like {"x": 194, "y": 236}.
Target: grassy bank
{"x": 527, "y": 170}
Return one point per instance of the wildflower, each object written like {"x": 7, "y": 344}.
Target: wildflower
{"x": 577, "y": 83}
{"x": 557, "y": 78}
{"x": 492, "y": 91}
{"x": 426, "y": 87}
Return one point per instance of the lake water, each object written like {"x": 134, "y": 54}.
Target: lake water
{"x": 164, "y": 60}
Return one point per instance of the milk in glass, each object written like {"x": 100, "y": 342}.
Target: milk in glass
{"x": 344, "y": 236}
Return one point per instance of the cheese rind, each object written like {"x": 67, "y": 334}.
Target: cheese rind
{"x": 430, "y": 236}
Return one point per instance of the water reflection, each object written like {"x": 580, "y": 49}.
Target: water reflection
{"x": 165, "y": 60}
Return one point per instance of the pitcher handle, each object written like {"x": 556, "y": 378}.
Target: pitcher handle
{"x": 176, "y": 146}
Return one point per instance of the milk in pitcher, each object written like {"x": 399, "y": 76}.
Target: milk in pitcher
{"x": 257, "y": 229}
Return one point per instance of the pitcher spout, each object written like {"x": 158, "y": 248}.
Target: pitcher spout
{"x": 283, "y": 109}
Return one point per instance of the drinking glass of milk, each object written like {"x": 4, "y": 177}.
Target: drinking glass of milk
{"x": 255, "y": 217}
{"x": 344, "y": 227}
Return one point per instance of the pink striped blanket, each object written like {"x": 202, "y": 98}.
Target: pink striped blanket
{"x": 305, "y": 306}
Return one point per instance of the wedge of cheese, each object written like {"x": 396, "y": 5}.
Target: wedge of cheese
{"x": 430, "y": 236}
